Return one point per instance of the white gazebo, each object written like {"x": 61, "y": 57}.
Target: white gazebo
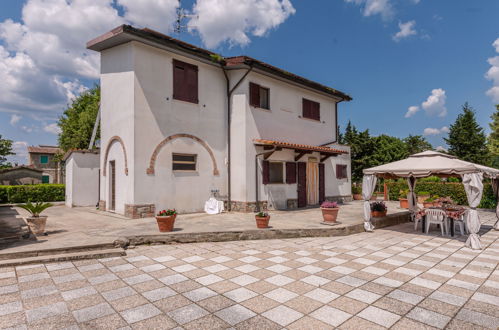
{"x": 432, "y": 163}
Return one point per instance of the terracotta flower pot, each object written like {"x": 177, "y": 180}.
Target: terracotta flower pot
{"x": 37, "y": 224}
{"x": 404, "y": 203}
{"x": 422, "y": 198}
{"x": 330, "y": 214}
{"x": 262, "y": 222}
{"x": 378, "y": 214}
{"x": 437, "y": 204}
{"x": 427, "y": 204}
{"x": 165, "y": 223}
{"x": 357, "y": 197}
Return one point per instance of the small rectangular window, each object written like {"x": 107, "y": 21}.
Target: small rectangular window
{"x": 45, "y": 179}
{"x": 185, "y": 82}
{"x": 276, "y": 172}
{"x": 259, "y": 96}
{"x": 341, "y": 172}
{"x": 44, "y": 159}
{"x": 311, "y": 110}
{"x": 183, "y": 162}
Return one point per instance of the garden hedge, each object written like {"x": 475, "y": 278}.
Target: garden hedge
{"x": 34, "y": 193}
{"x": 453, "y": 190}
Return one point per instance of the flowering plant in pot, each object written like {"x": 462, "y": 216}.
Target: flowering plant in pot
{"x": 378, "y": 209}
{"x": 166, "y": 219}
{"x": 329, "y": 211}
{"x": 430, "y": 202}
{"x": 356, "y": 192}
{"x": 262, "y": 219}
{"x": 404, "y": 202}
{"x": 422, "y": 196}
{"x": 37, "y": 221}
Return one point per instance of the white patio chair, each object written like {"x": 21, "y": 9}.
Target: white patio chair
{"x": 437, "y": 217}
{"x": 461, "y": 223}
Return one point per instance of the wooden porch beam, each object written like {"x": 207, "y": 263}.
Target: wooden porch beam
{"x": 301, "y": 153}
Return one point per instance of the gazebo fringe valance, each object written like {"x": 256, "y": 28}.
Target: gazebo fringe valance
{"x": 429, "y": 163}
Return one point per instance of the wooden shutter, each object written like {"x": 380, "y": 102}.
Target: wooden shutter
{"x": 322, "y": 183}
{"x": 185, "y": 82}
{"x": 316, "y": 110}
{"x": 302, "y": 184}
{"x": 290, "y": 172}
{"x": 265, "y": 172}
{"x": 341, "y": 171}
{"x": 306, "y": 109}
{"x": 254, "y": 95}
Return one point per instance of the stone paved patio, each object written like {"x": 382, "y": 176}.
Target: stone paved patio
{"x": 70, "y": 227}
{"x": 393, "y": 278}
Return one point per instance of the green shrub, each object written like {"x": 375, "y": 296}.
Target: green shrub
{"x": 444, "y": 189}
{"x": 4, "y": 195}
{"x": 34, "y": 193}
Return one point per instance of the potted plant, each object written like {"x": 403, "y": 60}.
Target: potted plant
{"x": 357, "y": 192}
{"x": 262, "y": 219}
{"x": 166, "y": 220}
{"x": 436, "y": 201}
{"x": 329, "y": 211}
{"x": 422, "y": 196}
{"x": 429, "y": 202}
{"x": 404, "y": 202}
{"x": 378, "y": 209}
{"x": 36, "y": 222}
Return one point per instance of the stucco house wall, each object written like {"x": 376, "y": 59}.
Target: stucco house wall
{"x": 82, "y": 178}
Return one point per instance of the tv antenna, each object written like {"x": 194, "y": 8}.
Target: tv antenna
{"x": 181, "y": 16}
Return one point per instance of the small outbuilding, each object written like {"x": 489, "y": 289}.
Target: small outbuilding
{"x": 20, "y": 175}
{"x": 82, "y": 177}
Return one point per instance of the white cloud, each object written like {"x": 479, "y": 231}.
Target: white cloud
{"x": 406, "y": 30}
{"x": 411, "y": 111}
{"x": 14, "y": 119}
{"x": 154, "y": 14}
{"x": 234, "y": 21}
{"x": 493, "y": 74}
{"x": 375, "y": 7}
{"x": 441, "y": 148}
{"x": 20, "y": 148}
{"x": 52, "y": 128}
{"x": 435, "y": 131}
{"x": 435, "y": 103}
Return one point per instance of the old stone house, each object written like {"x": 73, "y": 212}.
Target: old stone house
{"x": 180, "y": 124}
{"x": 20, "y": 175}
{"x": 42, "y": 157}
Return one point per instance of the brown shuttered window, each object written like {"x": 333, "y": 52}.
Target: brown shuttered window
{"x": 322, "y": 183}
{"x": 341, "y": 171}
{"x": 183, "y": 162}
{"x": 259, "y": 96}
{"x": 265, "y": 172}
{"x": 290, "y": 172}
{"x": 311, "y": 110}
{"x": 185, "y": 82}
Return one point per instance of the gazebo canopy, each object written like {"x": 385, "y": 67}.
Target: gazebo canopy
{"x": 428, "y": 163}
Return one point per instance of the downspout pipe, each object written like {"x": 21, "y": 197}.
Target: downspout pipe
{"x": 229, "y": 120}
{"x": 337, "y": 127}
{"x": 257, "y": 202}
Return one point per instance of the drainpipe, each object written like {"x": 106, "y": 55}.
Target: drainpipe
{"x": 229, "y": 94}
{"x": 257, "y": 202}
{"x": 337, "y": 127}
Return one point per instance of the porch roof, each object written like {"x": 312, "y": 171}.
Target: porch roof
{"x": 300, "y": 147}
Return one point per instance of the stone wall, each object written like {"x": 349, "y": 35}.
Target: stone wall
{"x": 237, "y": 206}
{"x": 292, "y": 203}
{"x": 339, "y": 199}
{"x": 102, "y": 205}
{"x": 136, "y": 211}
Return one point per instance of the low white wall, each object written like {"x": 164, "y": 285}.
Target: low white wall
{"x": 82, "y": 179}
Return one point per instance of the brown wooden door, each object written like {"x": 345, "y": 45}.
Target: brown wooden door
{"x": 302, "y": 184}
{"x": 322, "y": 183}
{"x": 112, "y": 170}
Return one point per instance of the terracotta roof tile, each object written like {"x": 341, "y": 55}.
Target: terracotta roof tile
{"x": 43, "y": 150}
{"x": 297, "y": 146}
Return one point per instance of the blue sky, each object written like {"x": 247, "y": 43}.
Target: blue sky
{"x": 341, "y": 43}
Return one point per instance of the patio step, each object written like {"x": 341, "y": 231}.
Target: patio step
{"x": 94, "y": 254}
{"x": 55, "y": 251}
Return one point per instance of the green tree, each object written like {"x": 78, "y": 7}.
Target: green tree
{"x": 361, "y": 149}
{"x": 388, "y": 149}
{"x": 467, "y": 139}
{"x": 416, "y": 143}
{"x": 5, "y": 150}
{"x": 78, "y": 120}
{"x": 493, "y": 139}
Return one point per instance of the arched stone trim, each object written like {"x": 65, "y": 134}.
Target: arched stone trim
{"x": 108, "y": 147}
{"x": 152, "y": 161}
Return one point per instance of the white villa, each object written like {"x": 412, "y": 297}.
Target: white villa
{"x": 180, "y": 123}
